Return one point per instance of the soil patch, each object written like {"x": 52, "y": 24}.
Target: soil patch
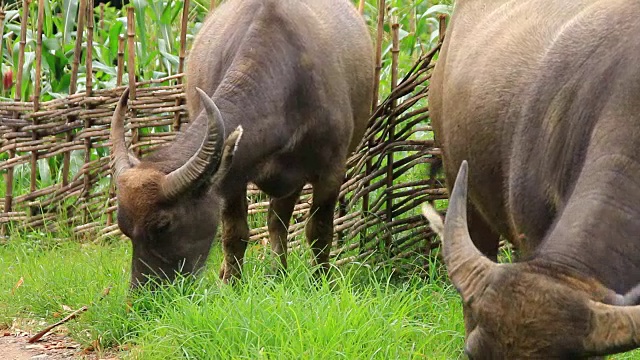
{"x": 14, "y": 345}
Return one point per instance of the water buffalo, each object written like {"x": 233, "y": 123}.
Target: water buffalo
{"x": 536, "y": 105}
{"x": 279, "y": 94}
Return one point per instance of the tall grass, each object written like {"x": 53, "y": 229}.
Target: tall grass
{"x": 356, "y": 313}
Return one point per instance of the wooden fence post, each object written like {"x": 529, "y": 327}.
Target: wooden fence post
{"x": 183, "y": 52}
{"x": 73, "y": 86}
{"x": 374, "y": 105}
{"x": 86, "y": 176}
{"x": 395, "y": 49}
{"x": 131, "y": 66}
{"x": 36, "y": 102}
{"x": 8, "y": 200}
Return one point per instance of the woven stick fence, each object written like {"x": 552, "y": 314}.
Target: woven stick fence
{"x": 388, "y": 176}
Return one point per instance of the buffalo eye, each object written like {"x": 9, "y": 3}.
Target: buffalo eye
{"x": 162, "y": 222}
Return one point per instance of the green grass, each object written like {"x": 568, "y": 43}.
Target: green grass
{"x": 355, "y": 314}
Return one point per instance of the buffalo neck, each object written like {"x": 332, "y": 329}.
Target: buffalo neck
{"x": 583, "y": 111}
{"x": 597, "y": 232}
{"x": 256, "y": 83}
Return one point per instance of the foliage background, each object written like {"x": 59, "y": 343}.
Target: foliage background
{"x": 157, "y": 46}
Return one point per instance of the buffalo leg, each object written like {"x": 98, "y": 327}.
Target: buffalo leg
{"x": 483, "y": 236}
{"x": 235, "y": 236}
{"x": 280, "y": 211}
{"x": 319, "y": 228}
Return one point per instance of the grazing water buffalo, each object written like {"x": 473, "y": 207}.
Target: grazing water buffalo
{"x": 293, "y": 79}
{"x": 536, "y": 105}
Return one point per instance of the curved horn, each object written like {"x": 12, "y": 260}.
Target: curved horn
{"x": 207, "y": 155}
{"x": 121, "y": 158}
{"x": 466, "y": 265}
{"x": 614, "y": 329}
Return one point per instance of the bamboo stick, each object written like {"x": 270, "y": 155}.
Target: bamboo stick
{"x": 395, "y": 49}
{"x": 183, "y": 47}
{"x": 112, "y": 183}
{"x": 131, "y": 66}
{"x": 442, "y": 30}
{"x": 89, "y": 57}
{"x": 374, "y": 100}
{"x": 8, "y": 176}
{"x": 18, "y": 97}
{"x": 380, "y": 33}
{"x": 101, "y": 23}
{"x": 120, "y": 60}
{"x": 131, "y": 47}
{"x": 23, "y": 42}
{"x": 36, "y": 97}
{"x": 77, "y": 52}
{"x": 89, "y": 89}
{"x": 73, "y": 86}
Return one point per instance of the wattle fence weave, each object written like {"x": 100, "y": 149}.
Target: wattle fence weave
{"x": 378, "y": 218}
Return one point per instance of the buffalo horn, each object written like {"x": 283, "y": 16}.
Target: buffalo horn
{"x": 614, "y": 329}
{"x": 205, "y": 157}
{"x": 122, "y": 160}
{"x": 466, "y": 265}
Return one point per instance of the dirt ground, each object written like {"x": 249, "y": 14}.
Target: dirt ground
{"x": 14, "y": 345}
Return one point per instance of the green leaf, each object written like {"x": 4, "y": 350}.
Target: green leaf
{"x": 114, "y": 33}
{"x": 44, "y": 172}
{"x": 140, "y": 7}
{"x": 69, "y": 13}
{"x": 62, "y": 86}
{"x": 98, "y": 66}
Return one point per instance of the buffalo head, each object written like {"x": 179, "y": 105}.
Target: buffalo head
{"x": 170, "y": 217}
{"x": 529, "y": 310}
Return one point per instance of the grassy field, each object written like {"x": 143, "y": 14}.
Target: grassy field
{"x": 354, "y": 314}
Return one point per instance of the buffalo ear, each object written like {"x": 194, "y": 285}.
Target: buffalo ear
{"x": 631, "y": 298}
{"x": 228, "y": 151}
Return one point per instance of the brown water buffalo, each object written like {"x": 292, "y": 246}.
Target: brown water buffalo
{"x": 536, "y": 105}
{"x": 294, "y": 78}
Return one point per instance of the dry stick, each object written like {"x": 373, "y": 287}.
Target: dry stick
{"x": 120, "y": 60}
{"x": 87, "y": 121}
{"x": 8, "y": 177}
{"x": 442, "y": 30}
{"x": 131, "y": 65}
{"x": 71, "y": 316}
{"x": 361, "y": 7}
{"x": 101, "y": 24}
{"x": 183, "y": 51}
{"x": 36, "y": 100}
{"x": 395, "y": 49}
{"x": 376, "y": 85}
{"x": 212, "y": 6}
{"x": 412, "y": 26}
{"x": 442, "y": 23}
{"x": 73, "y": 86}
